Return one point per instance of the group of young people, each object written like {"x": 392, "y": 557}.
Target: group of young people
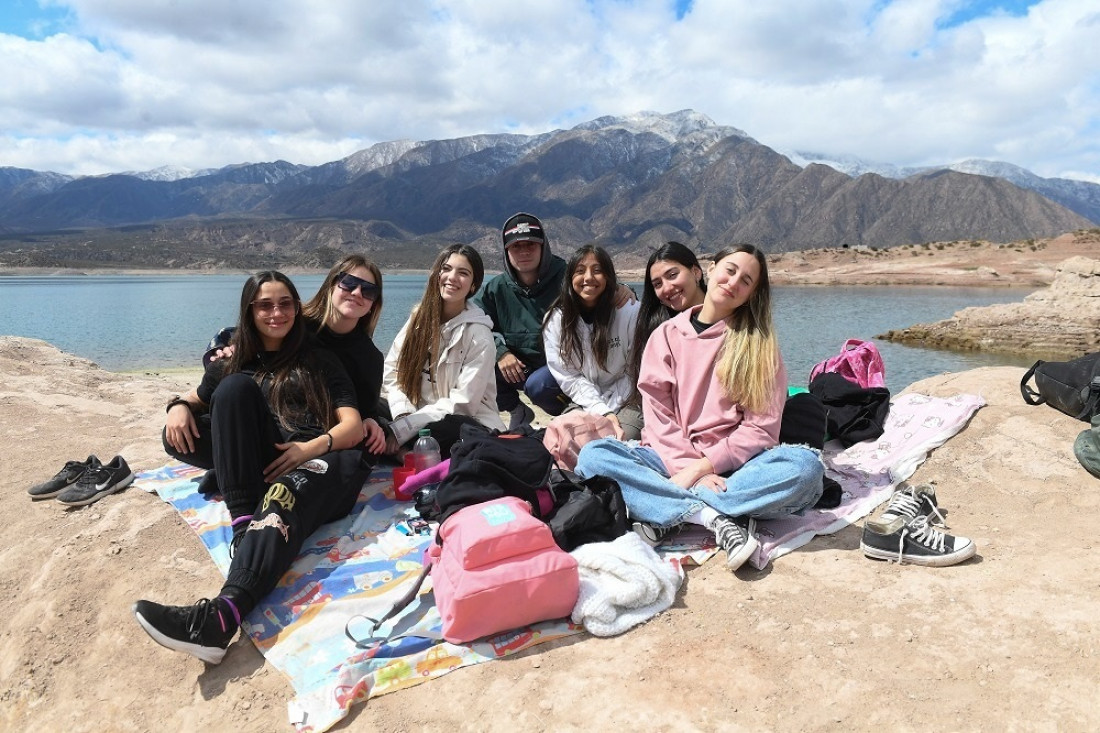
{"x": 294, "y": 415}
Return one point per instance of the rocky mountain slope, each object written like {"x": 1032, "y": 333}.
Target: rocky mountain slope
{"x": 629, "y": 183}
{"x": 1081, "y": 197}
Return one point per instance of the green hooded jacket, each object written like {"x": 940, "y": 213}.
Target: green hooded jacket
{"x": 517, "y": 311}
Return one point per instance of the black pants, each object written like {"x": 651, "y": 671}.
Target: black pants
{"x": 320, "y": 491}
{"x": 445, "y": 431}
{"x": 238, "y": 440}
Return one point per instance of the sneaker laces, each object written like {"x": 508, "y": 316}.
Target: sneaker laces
{"x": 923, "y": 533}
{"x": 72, "y": 466}
{"x": 906, "y": 503}
{"x": 198, "y": 616}
{"x": 728, "y": 533}
{"x": 94, "y": 475}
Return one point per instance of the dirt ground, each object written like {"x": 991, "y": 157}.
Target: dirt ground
{"x": 824, "y": 639}
{"x": 964, "y": 263}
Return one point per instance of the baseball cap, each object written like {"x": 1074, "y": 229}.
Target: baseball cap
{"x": 523, "y": 228}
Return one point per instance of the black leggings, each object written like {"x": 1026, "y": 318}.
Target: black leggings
{"x": 237, "y": 439}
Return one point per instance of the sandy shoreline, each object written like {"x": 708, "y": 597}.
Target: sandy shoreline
{"x": 823, "y": 639}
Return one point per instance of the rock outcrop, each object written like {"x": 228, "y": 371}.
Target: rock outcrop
{"x": 1060, "y": 321}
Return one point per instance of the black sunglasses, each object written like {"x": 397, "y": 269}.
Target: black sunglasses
{"x": 349, "y": 283}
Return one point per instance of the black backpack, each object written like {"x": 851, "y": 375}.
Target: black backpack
{"x": 1072, "y": 387}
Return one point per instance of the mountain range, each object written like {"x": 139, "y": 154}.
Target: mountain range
{"x": 627, "y": 182}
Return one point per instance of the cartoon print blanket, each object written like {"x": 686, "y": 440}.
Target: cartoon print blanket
{"x": 350, "y": 570}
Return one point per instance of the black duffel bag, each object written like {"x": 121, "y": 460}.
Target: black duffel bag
{"x": 585, "y": 510}
{"x": 1072, "y": 387}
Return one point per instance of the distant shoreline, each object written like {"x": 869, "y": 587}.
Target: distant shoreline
{"x": 823, "y": 277}
{"x": 970, "y": 263}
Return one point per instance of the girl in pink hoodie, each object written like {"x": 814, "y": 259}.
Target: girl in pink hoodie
{"x": 713, "y": 386}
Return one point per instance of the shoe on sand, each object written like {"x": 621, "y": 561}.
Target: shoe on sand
{"x": 914, "y": 541}
{"x": 63, "y": 479}
{"x": 203, "y": 630}
{"x": 97, "y": 482}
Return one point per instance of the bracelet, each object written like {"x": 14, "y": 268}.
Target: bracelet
{"x": 177, "y": 400}
{"x": 329, "y": 436}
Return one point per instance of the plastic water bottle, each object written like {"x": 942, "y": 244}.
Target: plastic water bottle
{"x": 425, "y": 451}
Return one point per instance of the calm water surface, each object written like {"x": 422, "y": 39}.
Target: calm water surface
{"x": 128, "y": 322}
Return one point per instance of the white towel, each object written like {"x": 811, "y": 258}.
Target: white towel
{"x": 622, "y": 584}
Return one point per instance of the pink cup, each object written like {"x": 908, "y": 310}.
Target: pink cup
{"x": 400, "y": 476}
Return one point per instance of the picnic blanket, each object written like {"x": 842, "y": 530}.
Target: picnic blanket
{"x": 357, "y": 567}
{"x": 351, "y": 570}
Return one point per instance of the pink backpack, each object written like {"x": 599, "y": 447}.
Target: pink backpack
{"x": 498, "y": 569}
{"x": 858, "y": 361}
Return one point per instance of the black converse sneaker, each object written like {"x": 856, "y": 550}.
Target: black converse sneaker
{"x": 654, "y": 536}
{"x": 911, "y": 501}
{"x": 97, "y": 482}
{"x": 735, "y": 536}
{"x": 63, "y": 479}
{"x": 203, "y": 630}
{"x": 914, "y": 540}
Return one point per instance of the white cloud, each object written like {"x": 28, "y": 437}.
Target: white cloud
{"x": 136, "y": 84}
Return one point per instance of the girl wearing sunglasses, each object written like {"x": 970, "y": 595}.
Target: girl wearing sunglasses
{"x": 282, "y": 433}
{"x": 342, "y": 317}
{"x": 440, "y": 371}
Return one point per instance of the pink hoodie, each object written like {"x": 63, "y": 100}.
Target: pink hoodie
{"x": 687, "y": 414}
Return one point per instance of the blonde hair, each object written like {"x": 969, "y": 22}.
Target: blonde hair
{"x": 749, "y": 360}
{"x": 321, "y": 307}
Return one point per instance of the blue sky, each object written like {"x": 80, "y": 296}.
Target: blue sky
{"x": 964, "y": 12}
{"x": 96, "y": 86}
{"x": 29, "y": 19}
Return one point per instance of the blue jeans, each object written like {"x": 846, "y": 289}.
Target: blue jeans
{"x": 541, "y": 388}
{"x": 781, "y": 481}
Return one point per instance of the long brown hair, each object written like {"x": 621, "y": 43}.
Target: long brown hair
{"x": 570, "y": 349}
{"x": 652, "y": 312}
{"x": 291, "y": 368}
{"x": 320, "y": 307}
{"x": 421, "y": 345}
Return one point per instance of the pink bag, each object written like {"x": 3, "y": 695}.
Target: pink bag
{"x": 567, "y": 434}
{"x": 499, "y": 569}
{"x": 858, "y": 361}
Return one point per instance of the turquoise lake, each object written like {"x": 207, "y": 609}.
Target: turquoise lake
{"x": 134, "y": 322}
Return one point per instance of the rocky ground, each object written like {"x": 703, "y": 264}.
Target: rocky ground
{"x": 1060, "y": 320}
{"x": 961, "y": 263}
{"x": 824, "y": 639}
{"x": 1057, "y": 322}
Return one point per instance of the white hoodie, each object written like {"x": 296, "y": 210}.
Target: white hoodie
{"x": 598, "y": 391}
{"x": 465, "y": 374}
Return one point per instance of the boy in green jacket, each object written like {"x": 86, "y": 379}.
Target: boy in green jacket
{"x": 517, "y": 300}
